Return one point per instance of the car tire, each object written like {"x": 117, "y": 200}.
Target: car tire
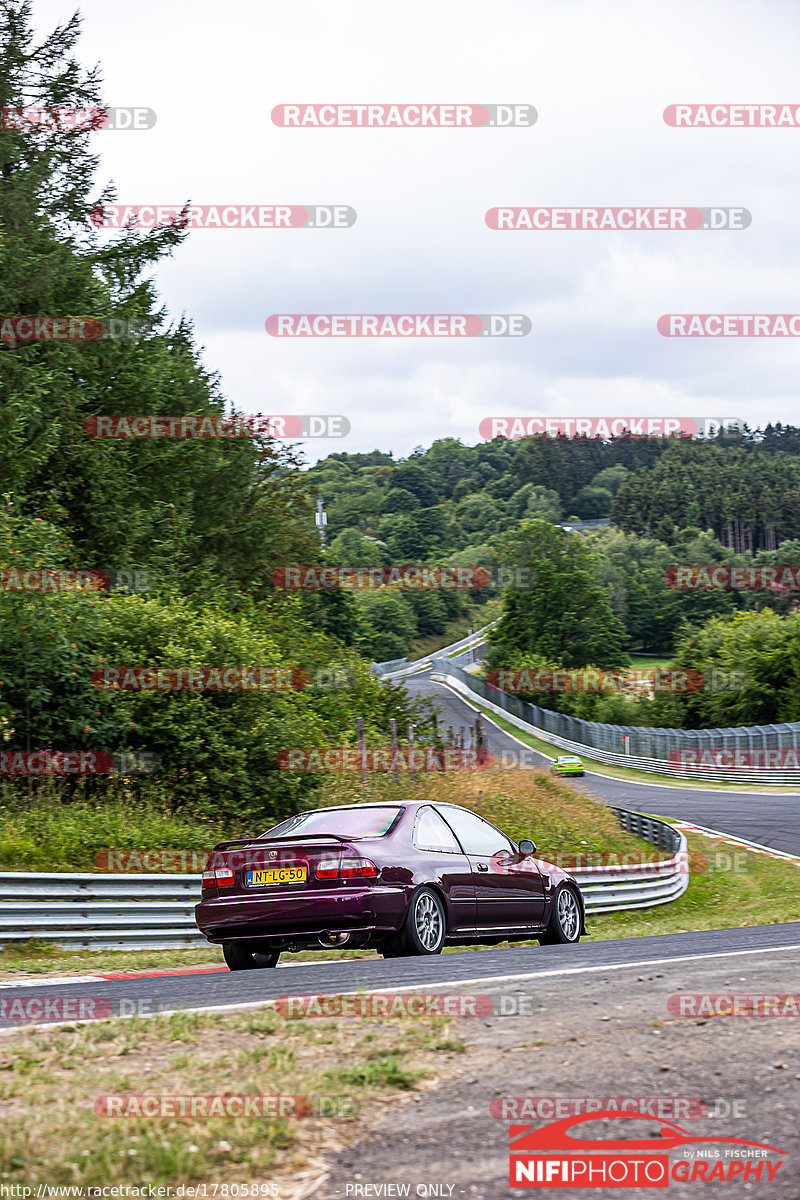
{"x": 240, "y": 957}
{"x": 423, "y": 930}
{"x": 564, "y": 926}
{"x": 425, "y": 923}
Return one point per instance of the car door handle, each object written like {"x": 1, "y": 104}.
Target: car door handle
{"x": 483, "y": 866}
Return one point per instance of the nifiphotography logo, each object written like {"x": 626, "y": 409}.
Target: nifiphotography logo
{"x": 552, "y": 1157}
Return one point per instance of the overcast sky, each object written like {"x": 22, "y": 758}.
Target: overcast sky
{"x": 599, "y": 75}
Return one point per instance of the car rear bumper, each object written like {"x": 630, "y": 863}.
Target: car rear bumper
{"x": 301, "y": 914}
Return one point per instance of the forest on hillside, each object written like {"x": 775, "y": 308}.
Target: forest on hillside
{"x": 207, "y": 522}
{"x": 203, "y": 522}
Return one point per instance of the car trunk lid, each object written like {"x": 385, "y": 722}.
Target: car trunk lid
{"x": 293, "y": 863}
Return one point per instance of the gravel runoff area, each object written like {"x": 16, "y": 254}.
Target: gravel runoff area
{"x": 597, "y": 1035}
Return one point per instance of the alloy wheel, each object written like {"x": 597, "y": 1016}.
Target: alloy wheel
{"x": 568, "y": 915}
{"x": 428, "y": 921}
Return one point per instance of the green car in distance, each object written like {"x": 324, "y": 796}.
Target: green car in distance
{"x": 567, "y": 764}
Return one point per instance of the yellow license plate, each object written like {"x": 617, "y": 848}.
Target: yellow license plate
{"x": 276, "y": 875}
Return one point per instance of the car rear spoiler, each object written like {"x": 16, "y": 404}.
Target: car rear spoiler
{"x": 286, "y": 837}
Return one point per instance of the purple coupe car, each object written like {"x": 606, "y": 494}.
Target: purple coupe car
{"x": 406, "y": 878}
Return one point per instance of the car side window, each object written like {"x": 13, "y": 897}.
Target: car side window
{"x": 476, "y": 835}
{"x": 432, "y": 833}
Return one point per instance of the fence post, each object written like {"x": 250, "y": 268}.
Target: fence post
{"x": 362, "y": 745}
{"x": 480, "y": 740}
{"x": 395, "y": 748}
{"x": 410, "y": 732}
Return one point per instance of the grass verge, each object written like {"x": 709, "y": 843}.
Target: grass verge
{"x": 46, "y": 833}
{"x": 49, "y": 1082}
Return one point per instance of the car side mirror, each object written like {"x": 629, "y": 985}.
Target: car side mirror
{"x": 527, "y": 847}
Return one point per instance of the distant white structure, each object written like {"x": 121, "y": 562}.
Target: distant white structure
{"x": 583, "y": 526}
{"x": 321, "y": 520}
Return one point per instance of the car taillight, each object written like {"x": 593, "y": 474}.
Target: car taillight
{"x": 224, "y": 877}
{"x": 208, "y": 879}
{"x": 348, "y": 868}
{"x": 327, "y": 870}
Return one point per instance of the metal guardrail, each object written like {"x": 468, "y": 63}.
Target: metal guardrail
{"x": 422, "y": 664}
{"x": 391, "y": 664}
{"x": 610, "y": 889}
{"x": 156, "y": 912}
{"x": 100, "y": 912}
{"x": 544, "y": 723}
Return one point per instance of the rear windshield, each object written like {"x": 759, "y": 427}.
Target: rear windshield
{"x": 349, "y": 822}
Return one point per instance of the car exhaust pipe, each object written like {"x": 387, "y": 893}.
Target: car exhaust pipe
{"x": 332, "y": 940}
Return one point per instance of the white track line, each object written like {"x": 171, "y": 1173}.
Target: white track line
{"x": 413, "y": 988}
{"x": 51, "y": 981}
{"x": 732, "y": 840}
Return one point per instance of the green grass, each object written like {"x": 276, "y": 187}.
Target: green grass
{"x": 649, "y": 662}
{"x": 46, "y": 834}
{"x": 756, "y": 890}
{"x": 422, "y": 647}
{"x": 386, "y": 1071}
{"x": 49, "y": 1081}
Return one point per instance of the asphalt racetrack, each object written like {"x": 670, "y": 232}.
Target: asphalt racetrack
{"x": 771, "y": 819}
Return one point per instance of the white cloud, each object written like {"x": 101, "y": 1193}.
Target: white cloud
{"x": 600, "y": 77}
